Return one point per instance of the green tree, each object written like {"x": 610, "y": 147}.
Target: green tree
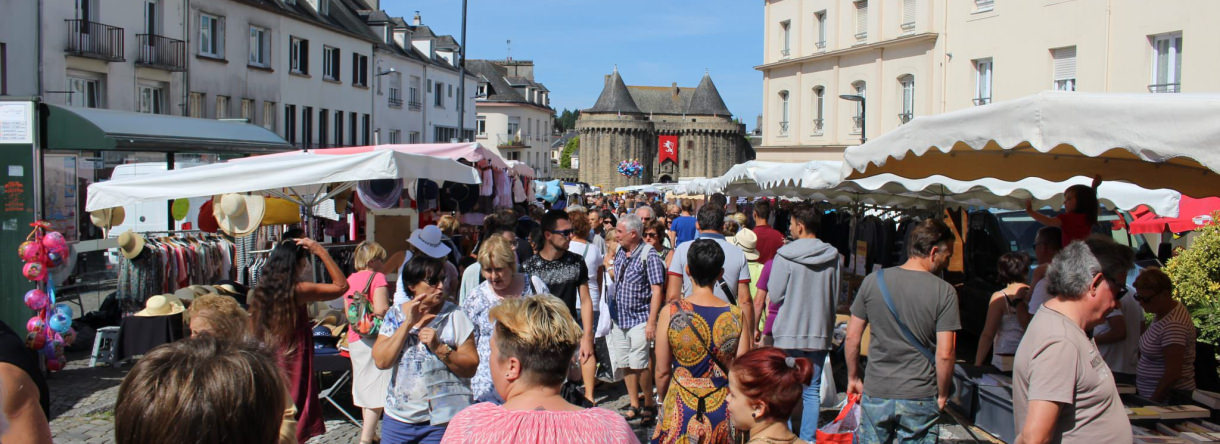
{"x": 565, "y": 156}
{"x": 1195, "y": 272}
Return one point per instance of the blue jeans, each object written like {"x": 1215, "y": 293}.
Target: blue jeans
{"x": 394, "y": 431}
{"x": 811, "y": 396}
{"x": 898, "y": 420}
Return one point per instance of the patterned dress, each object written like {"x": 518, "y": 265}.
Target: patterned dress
{"x": 695, "y": 409}
{"x": 478, "y": 305}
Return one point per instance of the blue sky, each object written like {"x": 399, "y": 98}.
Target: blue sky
{"x": 575, "y": 43}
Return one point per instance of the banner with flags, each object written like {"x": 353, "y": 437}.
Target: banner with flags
{"x": 667, "y": 148}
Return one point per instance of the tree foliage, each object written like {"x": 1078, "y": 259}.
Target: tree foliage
{"x": 565, "y": 156}
{"x": 1195, "y": 272}
{"x": 566, "y": 120}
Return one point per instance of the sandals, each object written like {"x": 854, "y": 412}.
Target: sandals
{"x": 649, "y": 413}
{"x": 631, "y": 413}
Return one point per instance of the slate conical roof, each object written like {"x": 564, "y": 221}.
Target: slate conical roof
{"x": 615, "y": 98}
{"x": 706, "y": 99}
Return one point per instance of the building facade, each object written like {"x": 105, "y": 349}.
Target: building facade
{"x": 514, "y": 113}
{"x": 674, "y": 132}
{"x": 911, "y": 58}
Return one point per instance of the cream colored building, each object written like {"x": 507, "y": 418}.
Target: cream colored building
{"x": 514, "y": 112}
{"x": 910, "y": 58}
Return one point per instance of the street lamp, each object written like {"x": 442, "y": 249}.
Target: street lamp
{"x": 863, "y": 116}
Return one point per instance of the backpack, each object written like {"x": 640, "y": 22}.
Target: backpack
{"x": 360, "y": 312}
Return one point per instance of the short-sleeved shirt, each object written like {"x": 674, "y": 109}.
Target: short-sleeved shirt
{"x": 563, "y": 276}
{"x": 769, "y": 242}
{"x": 1056, "y": 362}
{"x": 636, "y": 272}
{"x": 1039, "y": 295}
{"x": 736, "y": 269}
{"x": 356, "y": 282}
{"x": 1175, "y": 328}
{"x": 927, "y": 305}
{"x": 493, "y": 424}
{"x": 684, "y": 228}
{"x": 477, "y": 306}
{"x": 593, "y": 262}
{"x": 415, "y": 383}
{"x": 1075, "y": 226}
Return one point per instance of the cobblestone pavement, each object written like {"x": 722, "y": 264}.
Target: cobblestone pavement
{"x": 82, "y": 407}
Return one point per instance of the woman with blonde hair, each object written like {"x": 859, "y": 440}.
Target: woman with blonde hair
{"x": 532, "y": 343}
{"x": 369, "y": 383}
{"x": 220, "y": 317}
{"x": 498, "y": 260}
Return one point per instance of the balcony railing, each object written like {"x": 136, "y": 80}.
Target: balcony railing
{"x": 414, "y": 105}
{"x": 94, "y": 40}
{"x": 161, "y": 52}
{"x": 510, "y": 140}
{"x": 982, "y": 100}
{"x": 783, "y": 128}
{"x": 905, "y": 117}
{"x": 395, "y": 98}
{"x": 820, "y": 44}
{"x": 1165, "y": 88}
{"x": 857, "y": 122}
{"x": 817, "y": 126}
{"x": 784, "y": 52}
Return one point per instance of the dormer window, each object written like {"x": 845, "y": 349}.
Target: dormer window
{"x": 482, "y": 90}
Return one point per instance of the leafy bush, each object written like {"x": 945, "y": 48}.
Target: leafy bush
{"x": 1195, "y": 272}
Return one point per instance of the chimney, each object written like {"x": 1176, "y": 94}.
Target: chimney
{"x": 677, "y": 92}
{"x": 416, "y": 21}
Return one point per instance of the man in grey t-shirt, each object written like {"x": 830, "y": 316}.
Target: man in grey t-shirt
{"x": 904, "y": 392}
{"x": 736, "y": 272}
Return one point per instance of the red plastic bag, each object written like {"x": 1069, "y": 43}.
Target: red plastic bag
{"x": 843, "y": 429}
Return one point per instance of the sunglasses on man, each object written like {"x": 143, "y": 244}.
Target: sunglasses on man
{"x": 564, "y": 233}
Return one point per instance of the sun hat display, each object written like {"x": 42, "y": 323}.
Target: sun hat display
{"x": 239, "y": 215}
{"x": 131, "y": 244}
{"x": 108, "y": 217}
{"x": 429, "y": 240}
{"x": 206, "y": 220}
{"x": 379, "y": 193}
{"x": 748, "y": 241}
{"x": 161, "y": 305}
{"x": 280, "y": 212}
{"x": 193, "y": 291}
{"x": 180, "y": 208}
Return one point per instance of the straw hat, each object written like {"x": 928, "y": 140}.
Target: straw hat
{"x": 131, "y": 244}
{"x": 748, "y": 242}
{"x": 239, "y": 215}
{"x": 108, "y": 217}
{"x": 161, "y": 305}
{"x": 193, "y": 291}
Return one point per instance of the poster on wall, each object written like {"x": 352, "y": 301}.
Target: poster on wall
{"x": 16, "y": 122}
{"x": 61, "y": 208}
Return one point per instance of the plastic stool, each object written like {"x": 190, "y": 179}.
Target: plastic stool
{"x": 104, "y": 345}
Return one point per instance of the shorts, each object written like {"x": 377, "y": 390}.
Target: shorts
{"x": 394, "y": 431}
{"x": 629, "y": 349}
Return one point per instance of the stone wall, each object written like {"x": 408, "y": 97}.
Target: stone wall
{"x": 705, "y": 148}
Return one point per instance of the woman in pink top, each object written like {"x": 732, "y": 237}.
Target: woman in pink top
{"x": 532, "y": 343}
{"x": 369, "y": 383}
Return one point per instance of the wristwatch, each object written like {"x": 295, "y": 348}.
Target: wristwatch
{"x": 444, "y": 354}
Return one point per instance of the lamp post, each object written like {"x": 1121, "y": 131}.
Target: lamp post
{"x": 462, "y": 79}
{"x": 863, "y": 115}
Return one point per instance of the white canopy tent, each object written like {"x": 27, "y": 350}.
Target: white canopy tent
{"x": 297, "y": 176}
{"x": 1152, "y": 140}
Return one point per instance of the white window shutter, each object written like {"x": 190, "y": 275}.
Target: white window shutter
{"x": 1064, "y": 63}
{"x": 861, "y": 17}
{"x": 908, "y": 11}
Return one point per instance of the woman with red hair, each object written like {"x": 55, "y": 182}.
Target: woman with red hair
{"x": 764, "y": 386}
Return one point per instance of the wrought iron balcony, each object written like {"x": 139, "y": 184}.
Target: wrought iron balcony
{"x": 395, "y": 98}
{"x": 783, "y": 128}
{"x": 817, "y": 126}
{"x": 161, "y": 52}
{"x": 982, "y": 100}
{"x": 94, "y": 40}
{"x": 415, "y": 105}
{"x": 905, "y": 117}
{"x": 510, "y": 140}
{"x": 820, "y": 44}
{"x": 857, "y": 123}
{"x": 1165, "y": 88}
{"x": 784, "y": 52}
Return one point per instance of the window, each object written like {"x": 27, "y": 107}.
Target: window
{"x": 451, "y": 90}
{"x": 3, "y": 69}
{"x": 983, "y": 5}
{"x": 259, "y": 44}
{"x": 1065, "y": 68}
{"x": 247, "y": 110}
{"x": 907, "y": 83}
{"x": 290, "y": 123}
{"x": 438, "y": 98}
{"x": 1166, "y": 63}
{"x": 365, "y": 124}
{"x": 85, "y": 91}
{"x": 819, "y": 103}
{"x": 909, "y": 9}
{"x": 785, "y": 38}
{"x": 299, "y": 56}
{"x": 395, "y": 136}
{"x": 429, "y": 86}
{"x": 857, "y": 120}
{"x": 195, "y": 105}
{"x": 414, "y": 137}
{"x": 861, "y": 19}
{"x": 514, "y": 125}
{"x": 982, "y": 81}
{"x": 307, "y": 126}
{"x": 514, "y": 155}
{"x": 338, "y": 128}
{"x": 481, "y": 90}
{"x": 222, "y": 107}
{"x": 323, "y": 126}
{"x": 529, "y": 124}
{"x": 151, "y": 99}
{"x": 396, "y": 90}
{"x": 324, "y": 7}
{"x": 351, "y": 127}
{"x": 783, "y": 113}
{"x": 413, "y": 100}
{"x": 820, "y": 18}
{"x": 360, "y": 70}
{"x": 269, "y": 115}
{"x": 480, "y": 126}
{"x": 330, "y": 63}
{"x": 151, "y": 17}
{"x": 211, "y": 35}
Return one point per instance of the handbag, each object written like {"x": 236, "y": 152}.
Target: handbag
{"x": 360, "y": 312}
{"x": 843, "y": 429}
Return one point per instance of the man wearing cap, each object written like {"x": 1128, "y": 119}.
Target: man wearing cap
{"x": 430, "y": 242}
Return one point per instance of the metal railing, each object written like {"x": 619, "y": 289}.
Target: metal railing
{"x": 1165, "y": 88}
{"x": 817, "y": 126}
{"x": 857, "y": 123}
{"x": 783, "y": 128}
{"x": 982, "y": 100}
{"x": 784, "y": 52}
{"x": 96, "y": 40}
{"x": 395, "y": 98}
{"x": 510, "y": 140}
{"x": 821, "y": 44}
{"x": 414, "y": 105}
{"x": 161, "y": 52}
